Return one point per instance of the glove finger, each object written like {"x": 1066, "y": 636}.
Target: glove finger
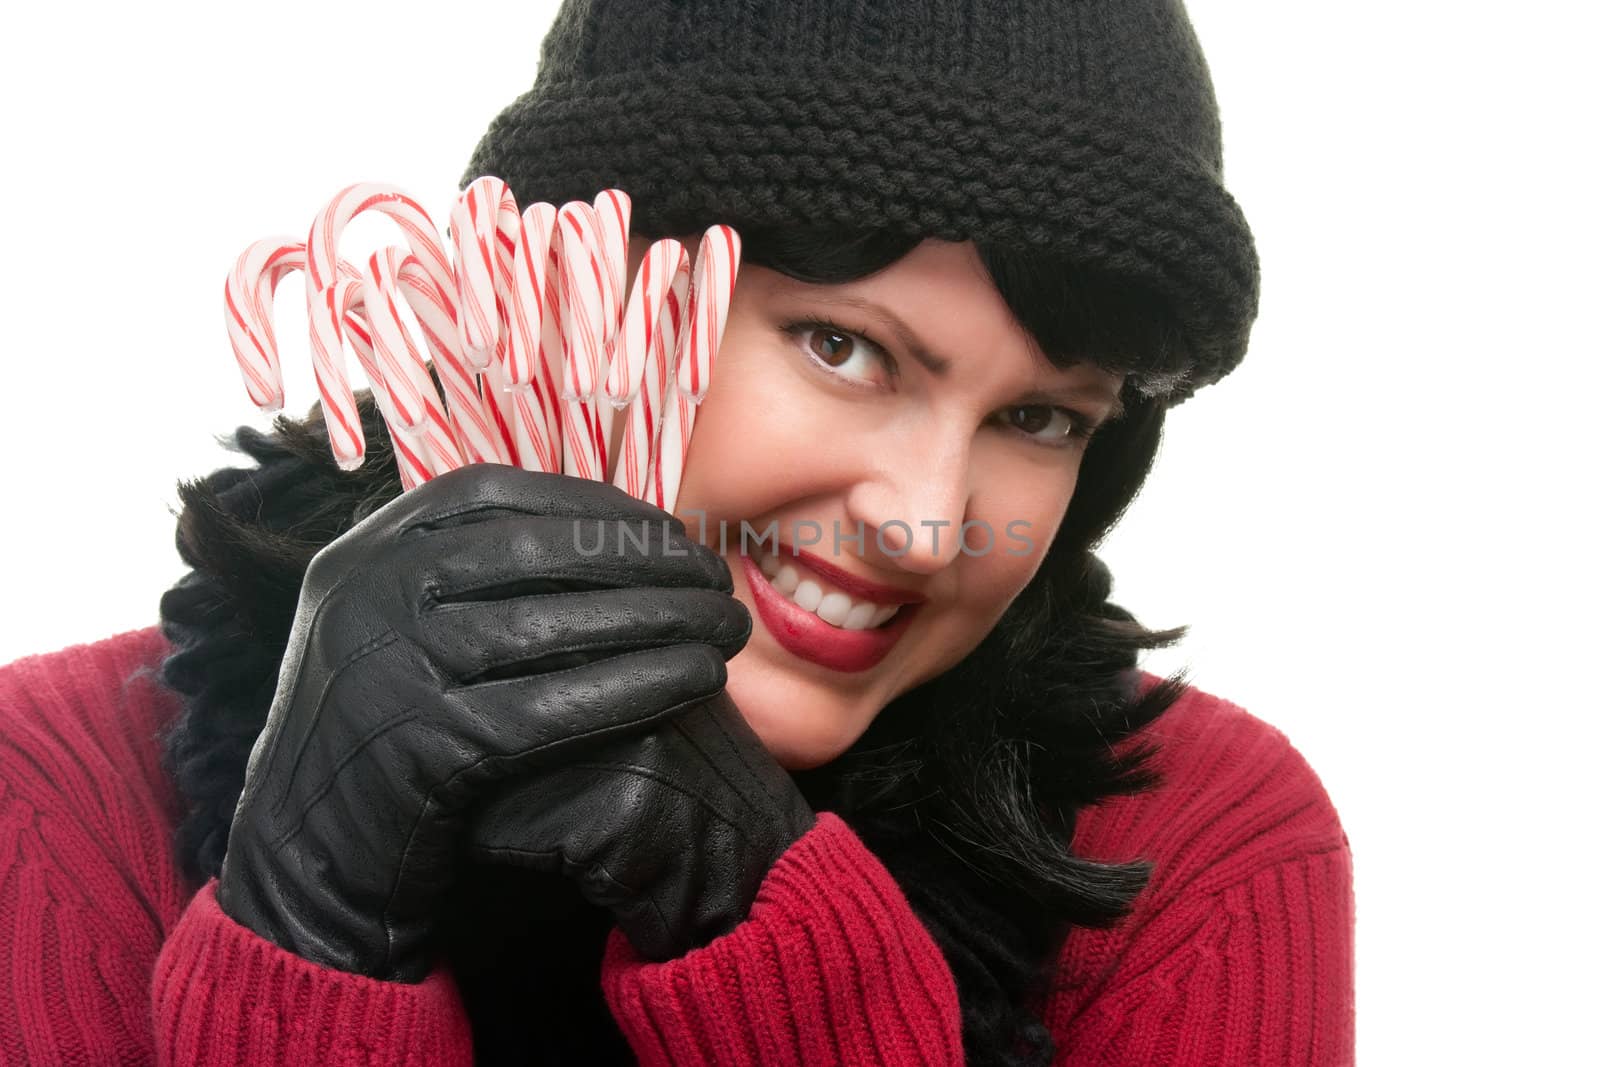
{"x": 526, "y": 821}
{"x": 606, "y": 821}
{"x": 488, "y": 640}
{"x": 518, "y": 724}
{"x": 739, "y": 771}
{"x": 722, "y": 762}
{"x": 512, "y": 555}
{"x": 614, "y": 829}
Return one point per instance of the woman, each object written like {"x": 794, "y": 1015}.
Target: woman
{"x": 449, "y": 786}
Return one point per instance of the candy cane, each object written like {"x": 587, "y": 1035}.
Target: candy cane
{"x": 404, "y": 370}
{"x": 469, "y": 422}
{"x": 471, "y": 418}
{"x": 644, "y": 356}
{"x": 255, "y": 276}
{"x": 613, "y": 210}
{"x": 582, "y": 270}
{"x": 346, "y": 319}
{"x": 249, "y": 316}
{"x": 475, "y": 231}
{"x": 583, "y": 436}
{"x": 716, "y": 269}
{"x": 672, "y": 448}
{"x": 711, "y": 293}
{"x": 251, "y": 284}
{"x": 522, "y": 419}
{"x": 532, "y": 358}
{"x": 345, "y": 437}
{"x": 532, "y": 321}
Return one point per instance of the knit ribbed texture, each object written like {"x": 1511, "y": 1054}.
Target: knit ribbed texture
{"x": 89, "y": 885}
{"x": 224, "y": 996}
{"x": 1238, "y": 953}
{"x": 1086, "y": 129}
{"x": 1241, "y": 949}
{"x": 832, "y": 969}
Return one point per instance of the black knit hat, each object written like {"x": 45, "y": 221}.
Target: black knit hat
{"x": 1087, "y": 128}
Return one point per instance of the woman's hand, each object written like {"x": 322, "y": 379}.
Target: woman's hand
{"x": 463, "y": 635}
{"x": 672, "y": 829}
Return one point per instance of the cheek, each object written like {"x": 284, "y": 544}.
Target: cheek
{"x": 761, "y": 436}
{"x": 1015, "y": 518}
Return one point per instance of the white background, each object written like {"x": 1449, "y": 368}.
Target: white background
{"x": 1375, "y": 527}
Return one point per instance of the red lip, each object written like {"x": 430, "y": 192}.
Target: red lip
{"x": 810, "y": 638}
{"x": 856, "y": 587}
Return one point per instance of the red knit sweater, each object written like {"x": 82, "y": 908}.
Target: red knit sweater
{"x": 1239, "y": 952}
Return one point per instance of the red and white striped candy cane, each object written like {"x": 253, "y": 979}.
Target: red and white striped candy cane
{"x": 582, "y": 268}
{"x": 248, "y": 305}
{"x": 710, "y": 294}
{"x": 468, "y": 419}
{"x": 663, "y": 368}
{"x": 672, "y": 447}
{"x": 339, "y": 413}
{"x": 523, "y": 332}
{"x": 475, "y": 229}
{"x": 523, "y": 424}
{"x": 533, "y": 358}
{"x": 404, "y": 370}
{"x": 531, "y": 262}
{"x": 716, "y": 269}
{"x": 251, "y": 283}
{"x": 345, "y": 320}
{"x": 645, "y": 351}
{"x": 613, "y": 210}
{"x": 472, "y": 420}
{"x": 322, "y": 255}
{"x": 421, "y": 236}
{"x": 434, "y": 313}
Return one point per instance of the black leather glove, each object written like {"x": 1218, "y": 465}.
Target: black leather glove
{"x": 673, "y": 829}
{"x": 464, "y": 634}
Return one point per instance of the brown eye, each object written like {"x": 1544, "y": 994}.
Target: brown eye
{"x": 1046, "y": 424}
{"x": 1032, "y": 419}
{"x": 845, "y": 354}
{"x": 831, "y": 346}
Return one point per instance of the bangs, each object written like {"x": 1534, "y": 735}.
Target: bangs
{"x": 1083, "y": 315}
{"x": 1074, "y": 313}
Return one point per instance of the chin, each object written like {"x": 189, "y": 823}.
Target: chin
{"x": 802, "y": 758}
{"x": 799, "y": 738}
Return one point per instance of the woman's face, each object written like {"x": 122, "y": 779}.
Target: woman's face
{"x": 809, "y": 428}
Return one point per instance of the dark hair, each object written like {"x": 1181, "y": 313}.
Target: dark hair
{"x": 967, "y": 787}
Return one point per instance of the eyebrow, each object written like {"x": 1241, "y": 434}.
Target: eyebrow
{"x": 939, "y": 366}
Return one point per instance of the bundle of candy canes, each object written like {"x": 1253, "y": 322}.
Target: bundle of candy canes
{"x": 543, "y": 352}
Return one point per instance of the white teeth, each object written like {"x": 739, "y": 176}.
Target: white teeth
{"x": 860, "y": 617}
{"x": 833, "y": 607}
{"x": 808, "y": 594}
{"x": 786, "y": 580}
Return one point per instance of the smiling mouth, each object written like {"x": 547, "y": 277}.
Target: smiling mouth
{"x": 809, "y": 591}
{"x": 848, "y": 646}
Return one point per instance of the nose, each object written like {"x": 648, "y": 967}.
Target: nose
{"x": 912, "y": 503}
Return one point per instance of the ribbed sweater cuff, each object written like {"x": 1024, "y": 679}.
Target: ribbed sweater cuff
{"x": 831, "y": 967}
{"x": 223, "y": 995}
